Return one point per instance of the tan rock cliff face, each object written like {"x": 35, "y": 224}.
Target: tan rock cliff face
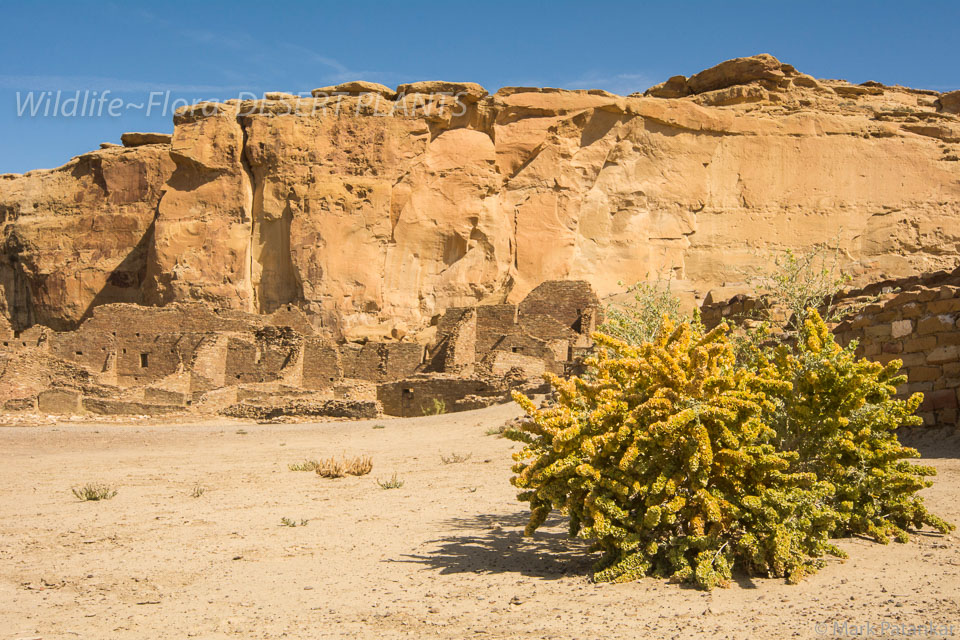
{"x": 376, "y": 211}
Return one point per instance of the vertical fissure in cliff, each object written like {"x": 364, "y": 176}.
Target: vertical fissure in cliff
{"x": 272, "y": 278}
{"x": 15, "y": 282}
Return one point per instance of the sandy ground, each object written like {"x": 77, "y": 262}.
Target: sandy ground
{"x": 440, "y": 557}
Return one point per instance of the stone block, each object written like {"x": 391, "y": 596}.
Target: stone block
{"x": 892, "y": 347}
{"x": 913, "y": 359}
{"x": 924, "y": 344}
{"x": 911, "y": 310}
{"x": 924, "y": 374}
{"x": 941, "y": 355}
{"x": 942, "y": 399}
{"x": 935, "y": 324}
{"x": 944, "y": 306}
{"x": 946, "y": 339}
{"x": 877, "y": 331}
{"x": 901, "y": 328}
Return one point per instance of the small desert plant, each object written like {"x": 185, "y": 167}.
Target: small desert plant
{"x": 241, "y": 432}
{"x": 379, "y": 426}
{"x": 290, "y": 522}
{"x": 640, "y": 320}
{"x": 496, "y": 431}
{"x": 455, "y": 458}
{"x": 330, "y": 468}
{"x": 798, "y": 282}
{"x": 333, "y": 468}
{"x": 198, "y": 490}
{"x": 359, "y": 466}
{"x": 306, "y": 465}
{"x": 94, "y": 491}
{"x": 392, "y": 483}
{"x": 438, "y": 407}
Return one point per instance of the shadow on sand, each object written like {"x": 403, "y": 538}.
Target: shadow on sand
{"x": 494, "y": 543}
{"x": 932, "y": 442}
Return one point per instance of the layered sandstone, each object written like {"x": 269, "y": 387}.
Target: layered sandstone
{"x": 374, "y": 211}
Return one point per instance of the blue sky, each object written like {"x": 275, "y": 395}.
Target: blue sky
{"x": 207, "y": 50}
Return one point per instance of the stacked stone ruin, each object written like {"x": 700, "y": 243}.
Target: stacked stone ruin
{"x": 132, "y": 360}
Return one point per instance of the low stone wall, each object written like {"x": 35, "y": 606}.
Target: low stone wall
{"x": 127, "y": 408}
{"x": 324, "y": 408}
{"x": 422, "y": 396}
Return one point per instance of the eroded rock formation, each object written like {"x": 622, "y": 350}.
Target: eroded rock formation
{"x": 374, "y": 211}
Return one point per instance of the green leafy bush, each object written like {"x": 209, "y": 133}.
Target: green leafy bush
{"x": 640, "y": 319}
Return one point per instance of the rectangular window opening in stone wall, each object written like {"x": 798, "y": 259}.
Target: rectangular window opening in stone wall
{"x": 144, "y": 360}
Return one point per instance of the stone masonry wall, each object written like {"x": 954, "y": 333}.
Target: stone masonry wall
{"x": 921, "y": 327}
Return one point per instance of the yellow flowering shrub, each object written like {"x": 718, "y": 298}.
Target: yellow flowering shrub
{"x": 663, "y": 458}
{"x": 683, "y": 457}
{"x": 841, "y": 418}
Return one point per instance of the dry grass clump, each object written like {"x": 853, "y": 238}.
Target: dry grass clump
{"x": 455, "y": 458}
{"x": 334, "y": 468}
{"x": 331, "y": 468}
{"x": 360, "y": 466}
{"x": 94, "y": 491}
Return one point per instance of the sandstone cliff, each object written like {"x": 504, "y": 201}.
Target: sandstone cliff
{"x": 376, "y": 210}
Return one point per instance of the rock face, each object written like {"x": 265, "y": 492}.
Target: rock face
{"x": 374, "y": 211}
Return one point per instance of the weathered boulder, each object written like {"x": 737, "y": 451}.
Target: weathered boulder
{"x": 675, "y": 87}
{"x": 949, "y": 102}
{"x": 737, "y": 71}
{"x": 137, "y": 139}
{"x": 468, "y": 91}
{"x": 354, "y": 88}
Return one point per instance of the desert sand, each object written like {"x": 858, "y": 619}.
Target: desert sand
{"x": 442, "y": 556}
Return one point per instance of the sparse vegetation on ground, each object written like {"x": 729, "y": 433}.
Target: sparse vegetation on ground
{"x": 393, "y": 483}
{"x": 292, "y": 522}
{"x": 94, "y": 491}
{"x": 455, "y": 458}
{"x": 437, "y": 407}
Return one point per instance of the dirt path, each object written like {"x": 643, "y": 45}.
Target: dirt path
{"x": 440, "y": 557}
